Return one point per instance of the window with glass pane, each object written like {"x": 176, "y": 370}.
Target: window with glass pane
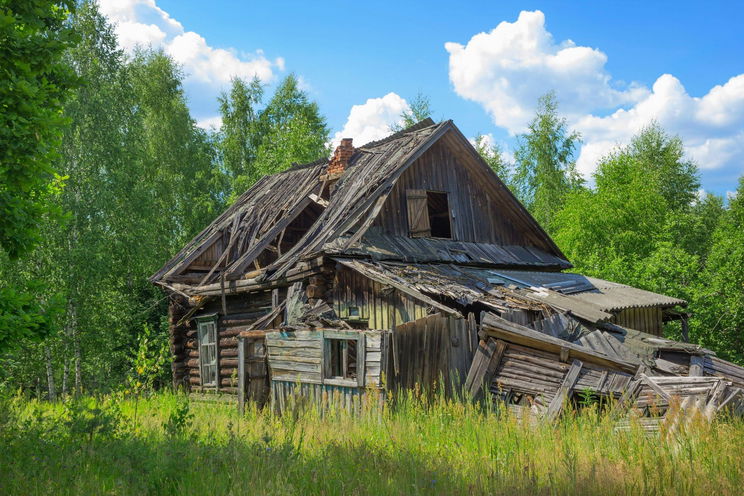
{"x": 343, "y": 358}
{"x": 208, "y": 352}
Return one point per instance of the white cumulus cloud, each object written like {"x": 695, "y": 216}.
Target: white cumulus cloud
{"x": 507, "y": 69}
{"x": 207, "y": 69}
{"x": 371, "y": 120}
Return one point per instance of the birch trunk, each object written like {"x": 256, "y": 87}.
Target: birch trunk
{"x": 50, "y": 374}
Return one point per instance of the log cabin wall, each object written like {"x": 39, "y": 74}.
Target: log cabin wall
{"x": 527, "y": 376}
{"x": 177, "y": 308}
{"x": 242, "y": 310}
{"x": 647, "y": 320}
{"x": 364, "y": 302}
{"x": 472, "y": 206}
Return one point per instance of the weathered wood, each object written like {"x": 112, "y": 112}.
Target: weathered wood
{"x": 715, "y": 399}
{"x": 697, "y": 366}
{"x": 513, "y": 333}
{"x": 655, "y": 387}
{"x": 487, "y": 352}
{"x": 241, "y": 376}
{"x": 556, "y": 405}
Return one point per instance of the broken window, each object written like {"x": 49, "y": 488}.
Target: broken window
{"x": 344, "y": 359}
{"x": 207, "y": 331}
{"x": 428, "y": 214}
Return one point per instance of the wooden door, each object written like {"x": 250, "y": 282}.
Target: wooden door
{"x": 253, "y": 376}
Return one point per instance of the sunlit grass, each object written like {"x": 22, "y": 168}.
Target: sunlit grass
{"x": 448, "y": 447}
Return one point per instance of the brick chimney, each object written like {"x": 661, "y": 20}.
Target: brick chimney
{"x": 340, "y": 160}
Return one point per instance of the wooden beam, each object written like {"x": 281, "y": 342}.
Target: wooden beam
{"x": 569, "y": 381}
{"x": 238, "y": 267}
{"x": 653, "y": 385}
{"x": 485, "y": 362}
{"x": 497, "y": 327}
{"x": 377, "y": 276}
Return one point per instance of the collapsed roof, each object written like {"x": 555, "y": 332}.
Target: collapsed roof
{"x": 341, "y": 211}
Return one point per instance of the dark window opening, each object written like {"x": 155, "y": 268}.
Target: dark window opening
{"x": 439, "y": 216}
{"x": 342, "y": 359}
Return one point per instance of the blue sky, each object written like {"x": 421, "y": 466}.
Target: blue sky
{"x": 614, "y": 65}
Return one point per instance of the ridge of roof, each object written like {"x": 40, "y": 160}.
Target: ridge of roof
{"x": 423, "y": 124}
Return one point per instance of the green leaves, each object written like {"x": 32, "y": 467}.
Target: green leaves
{"x": 257, "y": 141}
{"x": 34, "y": 83}
{"x": 644, "y": 225}
{"x": 545, "y": 166}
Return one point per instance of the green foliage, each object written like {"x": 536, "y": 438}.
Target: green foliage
{"x": 257, "y": 141}
{"x": 34, "y": 85}
{"x": 179, "y": 418}
{"x": 718, "y": 318}
{"x": 24, "y": 317}
{"x": 644, "y": 225}
{"x": 151, "y": 362}
{"x": 90, "y": 417}
{"x": 545, "y": 168}
{"x": 142, "y": 180}
{"x": 418, "y": 109}
{"x": 494, "y": 157}
{"x": 241, "y": 130}
{"x": 35, "y": 82}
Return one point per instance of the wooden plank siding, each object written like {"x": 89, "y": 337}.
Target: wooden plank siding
{"x": 296, "y": 361}
{"x": 474, "y": 213}
{"x": 429, "y": 351}
{"x": 378, "y": 306}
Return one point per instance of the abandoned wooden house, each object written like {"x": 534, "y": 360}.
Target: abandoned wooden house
{"x": 408, "y": 261}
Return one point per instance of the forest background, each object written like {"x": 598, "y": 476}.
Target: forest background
{"x": 105, "y": 175}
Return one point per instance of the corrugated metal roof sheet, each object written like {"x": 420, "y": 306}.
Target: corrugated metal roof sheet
{"x": 589, "y": 298}
{"x": 607, "y": 295}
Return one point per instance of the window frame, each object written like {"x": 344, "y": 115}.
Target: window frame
{"x": 419, "y": 219}
{"x": 326, "y": 362}
{"x": 205, "y": 325}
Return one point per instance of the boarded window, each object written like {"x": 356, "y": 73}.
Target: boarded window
{"x": 428, "y": 214}
{"x": 343, "y": 359}
{"x": 207, "y": 330}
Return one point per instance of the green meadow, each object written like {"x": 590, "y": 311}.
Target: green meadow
{"x": 166, "y": 444}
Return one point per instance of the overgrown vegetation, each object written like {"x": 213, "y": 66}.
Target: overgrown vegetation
{"x": 171, "y": 446}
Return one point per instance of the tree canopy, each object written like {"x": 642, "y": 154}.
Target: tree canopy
{"x": 545, "y": 168}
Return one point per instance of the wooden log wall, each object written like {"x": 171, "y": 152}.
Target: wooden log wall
{"x": 641, "y": 319}
{"x": 479, "y": 212}
{"x": 242, "y": 311}
{"x": 430, "y": 350}
{"x": 540, "y": 374}
{"x": 177, "y": 308}
{"x": 376, "y": 306}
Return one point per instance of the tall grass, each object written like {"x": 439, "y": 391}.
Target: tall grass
{"x": 95, "y": 446}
